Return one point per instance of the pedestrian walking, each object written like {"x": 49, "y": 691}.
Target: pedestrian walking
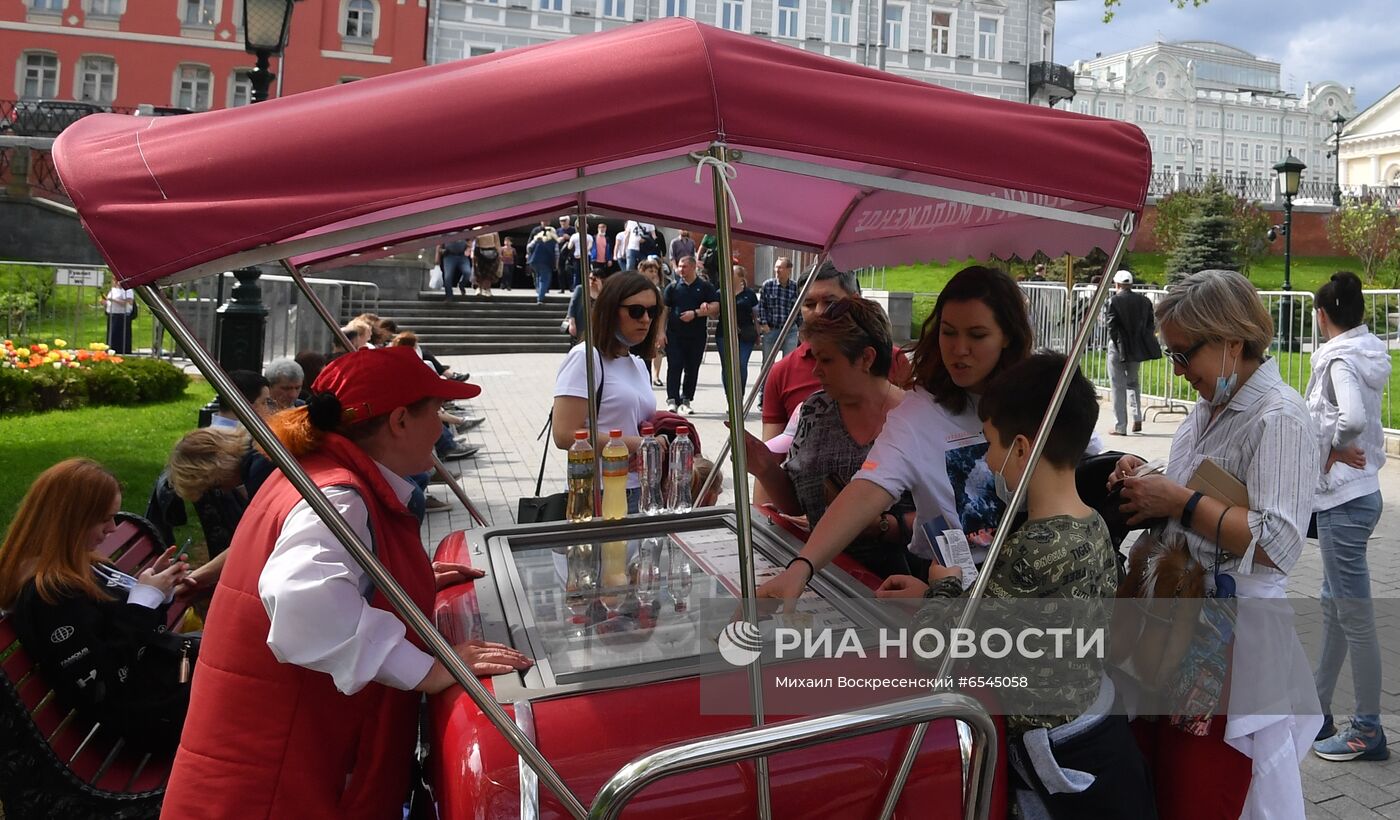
{"x": 689, "y": 301}
{"x": 1133, "y": 340}
{"x": 776, "y": 299}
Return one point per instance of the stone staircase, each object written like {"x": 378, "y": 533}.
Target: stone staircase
{"x": 508, "y": 322}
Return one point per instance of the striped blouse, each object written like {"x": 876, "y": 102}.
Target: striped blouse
{"x": 1265, "y": 438}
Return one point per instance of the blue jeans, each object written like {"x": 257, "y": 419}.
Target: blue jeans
{"x": 633, "y": 257}
{"x": 456, "y": 271}
{"x": 770, "y": 339}
{"x": 745, "y": 352}
{"x": 446, "y": 441}
{"x": 1348, "y": 619}
{"x": 544, "y": 276}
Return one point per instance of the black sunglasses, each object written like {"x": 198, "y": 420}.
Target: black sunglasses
{"x": 638, "y": 311}
{"x": 1183, "y": 358}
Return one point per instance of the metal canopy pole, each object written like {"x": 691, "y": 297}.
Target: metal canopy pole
{"x": 768, "y": 361}
{"x": 403, "y": 605}
{"x": 588, "y": 348}
{"x": 1042, "y": 435}
{"x": 742, "y": 511}
{"x": 340, "y": 337}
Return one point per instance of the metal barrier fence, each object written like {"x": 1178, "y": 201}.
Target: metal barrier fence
{"x": 290, "y": 329}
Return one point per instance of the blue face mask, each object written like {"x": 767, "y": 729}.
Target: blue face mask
{"x": 1225, "y": 387}
{"x": 1004, "y": 492}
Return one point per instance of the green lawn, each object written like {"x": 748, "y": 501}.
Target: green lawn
{"x": 73, "y": 314}
{"x": 133, "y": 442}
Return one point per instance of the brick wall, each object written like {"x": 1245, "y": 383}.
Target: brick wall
{"x": 1309, "y": 231}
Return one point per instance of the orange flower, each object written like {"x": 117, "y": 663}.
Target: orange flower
{"x": 115, "y": 359}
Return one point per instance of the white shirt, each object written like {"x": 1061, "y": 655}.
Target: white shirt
{"x": 924, "y": 449}
{"x": 219, "y": 422}
{"x": 316, "y": 598}
{"x": 120, "y": 300}
{"x": 628, "y": 399}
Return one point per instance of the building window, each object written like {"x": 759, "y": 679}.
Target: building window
{"x": 97, "y": 80}
{"x": 40, "y": 75}
{"x": 192, "y": 83}
{"x": 1101, "y": 108}
{"x": 1118, "y": 111}
{"x": 675, "y": 8}
{"x": 1273, "y": 153}
{"x": 1259, "y": 124}
{"x": 1161, "y": 79}
{"x": 54, "y": 6}
{"x": 1214, "y": 149}
{"x": 359, "y": 19}
{"x": 1230, "y": 121}
{"x": 240, "y": 90}
{"x": 894, "y": 26}
{"x": 940, "y": 32}
{"x": 731, "y": 14}
{"x": 105, "y": 8}
{"x": 838, "y": 24}
{"x": 1215, "y": 119}
{"x": 1151, "y": 113}
{"x": 200, "y": 13}
{"x": 1259, "y": 152}
{"x": 1084, "y": 106}
{"x": 1229, "y": 150}
{"x": 789, "y": 14}
{"x": 989, "y": 38}
{"x": 1140, "y": 116}
{"x": 615, "y": 8}
{"x": 1046, "y": 46}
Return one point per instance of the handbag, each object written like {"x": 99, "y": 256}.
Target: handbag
{"x": 554, "y": 507}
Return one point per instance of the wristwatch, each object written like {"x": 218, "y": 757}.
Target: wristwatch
{"x": 1189, "y": 510}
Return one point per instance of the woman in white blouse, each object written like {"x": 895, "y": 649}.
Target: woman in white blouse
{"x": 1256, "y": 428}
{"x": 120, "y": 304}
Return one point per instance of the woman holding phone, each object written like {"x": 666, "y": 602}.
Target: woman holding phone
{"x": 836, "y": 427}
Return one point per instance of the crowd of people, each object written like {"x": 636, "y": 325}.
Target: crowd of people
{"x": 878, "y": 454}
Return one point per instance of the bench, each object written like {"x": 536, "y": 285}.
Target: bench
{"x": 55, "y": 762}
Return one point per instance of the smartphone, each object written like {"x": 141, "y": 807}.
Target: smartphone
{"x": 184, "y": 553}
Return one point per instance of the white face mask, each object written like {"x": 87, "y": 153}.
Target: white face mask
{"x": 1225, "y": 387}
{"x": 1003, "y": 491}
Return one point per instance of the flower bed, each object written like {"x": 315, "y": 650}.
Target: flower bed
{"x": 51, "y": 376}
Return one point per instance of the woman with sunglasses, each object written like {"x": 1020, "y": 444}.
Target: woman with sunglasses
{"x": 931, "y": 445}
{"x": 624, "y": 318}
{"x": 836, "y": 428}
{"x": 1256, "y": 428}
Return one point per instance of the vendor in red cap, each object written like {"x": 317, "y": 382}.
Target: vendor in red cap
{"x": 305, "y": 698}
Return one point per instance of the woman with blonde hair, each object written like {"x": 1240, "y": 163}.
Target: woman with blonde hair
{"x": 98, "y": 634}
{"x": 217, "y": 471}
{"x": 1241, "y": 756}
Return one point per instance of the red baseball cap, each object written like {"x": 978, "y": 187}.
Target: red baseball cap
{"x": 373, "y": 381}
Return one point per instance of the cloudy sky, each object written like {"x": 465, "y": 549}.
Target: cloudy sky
{"x": 1350, "y": 41}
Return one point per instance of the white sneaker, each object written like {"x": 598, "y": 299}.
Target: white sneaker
{"x": 685, "y": 408}
{"x": 670, "y": 406}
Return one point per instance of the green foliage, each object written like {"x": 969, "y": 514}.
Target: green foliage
{"x": 1208, "y": 239}
{"x": 1368, "y": 230}
{"x": 133, "y": 381}
{"x": 1251, "y": 233}
{"x": 1110, "y": 5}
{"x": 1173, "y": 212}
{"x": 1249, "y": 224}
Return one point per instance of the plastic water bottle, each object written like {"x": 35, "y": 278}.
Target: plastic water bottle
{"x": 649, "y": 454}
{"x": 580, "y": 506}
{"x": 680, "y": 472}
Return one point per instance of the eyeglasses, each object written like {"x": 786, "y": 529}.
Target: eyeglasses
{"x": 1183, "y": 359}
{"x": 638, "y": 311}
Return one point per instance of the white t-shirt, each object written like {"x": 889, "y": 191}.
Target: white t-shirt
{"x": 120, "y": 300}
{"x": 941, "y": 459}
{"x": 627, "y": 396}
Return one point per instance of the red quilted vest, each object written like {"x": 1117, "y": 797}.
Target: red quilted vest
{"x": 266, "y": 739}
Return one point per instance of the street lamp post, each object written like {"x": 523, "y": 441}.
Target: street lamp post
{"x": 1338, "y": 123}
{"x": 265, "y": 26}
{"x": 1290, "y": 173}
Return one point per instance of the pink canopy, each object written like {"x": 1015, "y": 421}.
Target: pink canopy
{"x": 873, "y": 168}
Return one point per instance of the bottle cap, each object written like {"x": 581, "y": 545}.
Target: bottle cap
{"x": 580, "y": 435}
{"x": 682, "y": 430}
{"x": 648, "y": 430}
{"x": 614, "y": 434}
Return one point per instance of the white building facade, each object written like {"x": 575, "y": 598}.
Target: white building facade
{"x": 1210, "y": 108}
{"x": 984, "y": 47}
{"x": 1371, "y": 147}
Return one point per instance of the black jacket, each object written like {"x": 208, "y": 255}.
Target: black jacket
{"x": 1131, "y": 327}
{"x": 113, "y": 661}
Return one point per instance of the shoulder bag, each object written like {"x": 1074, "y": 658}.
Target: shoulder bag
{"x": 553, "y": 507}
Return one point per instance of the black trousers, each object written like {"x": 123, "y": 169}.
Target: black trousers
{"x": 683, "y": 357}
{"x": 119, "y": 332}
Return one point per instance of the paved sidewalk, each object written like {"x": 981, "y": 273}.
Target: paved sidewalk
{"x": 516, "y": 396}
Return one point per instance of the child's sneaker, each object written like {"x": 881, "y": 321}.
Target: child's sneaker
{"x": 1353, "y": 743}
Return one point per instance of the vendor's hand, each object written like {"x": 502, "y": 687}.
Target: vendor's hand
{"x": 901, "y": 586}
{"x": 1350, "y": 456}
{"x": 447, "y": 573}
{"x": 481, "y": 657}
{"x": 787, "y": 585}
{"x": 167, "y": 574}
{"x": 1152, "y": 496}
{"x": 1123, "y": 469}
